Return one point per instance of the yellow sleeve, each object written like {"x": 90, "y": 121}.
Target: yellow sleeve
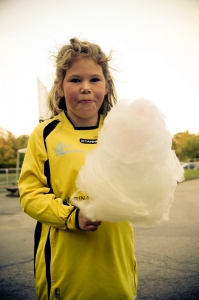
{"x": 35, "y": 198}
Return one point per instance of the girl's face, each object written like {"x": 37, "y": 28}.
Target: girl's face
{"x": 84, "y": 88}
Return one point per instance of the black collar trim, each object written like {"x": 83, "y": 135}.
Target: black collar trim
{"x": 83, "y": 128}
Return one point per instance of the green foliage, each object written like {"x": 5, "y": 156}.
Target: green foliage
{"x": 22, "y": 141}
{"x": 191, "y": 149}
{"x": 186, "y": 145}
{"x": 9, "y": 146}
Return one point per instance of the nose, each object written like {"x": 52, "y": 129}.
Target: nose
{"x": 85, "y": 88}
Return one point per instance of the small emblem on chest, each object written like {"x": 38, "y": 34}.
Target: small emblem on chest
{"x": 66, "y": 149}
{"x": 88, "y": 141}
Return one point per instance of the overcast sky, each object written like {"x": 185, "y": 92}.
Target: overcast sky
{"x": 155, "y": 43}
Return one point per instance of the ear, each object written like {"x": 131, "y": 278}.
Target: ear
{"x": 59, "y": 88}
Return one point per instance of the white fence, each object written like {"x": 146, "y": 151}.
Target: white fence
{"x": 9, "y": 178}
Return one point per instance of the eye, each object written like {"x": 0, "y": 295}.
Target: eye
{"x": 75, "y": 80}
{"x": 95, "y": 79}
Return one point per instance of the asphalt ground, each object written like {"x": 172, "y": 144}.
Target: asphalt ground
{"x": 167, "y": 254}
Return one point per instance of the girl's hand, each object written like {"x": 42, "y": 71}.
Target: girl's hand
{"x": 87, "y": 224}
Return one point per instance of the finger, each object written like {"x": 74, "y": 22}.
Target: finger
{"x": 91, "y": 228}
{"x": 95, "y": 223}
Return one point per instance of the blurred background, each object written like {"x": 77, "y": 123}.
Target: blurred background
{"x": 155, "y": 47}
{"x": 155, "y": 44}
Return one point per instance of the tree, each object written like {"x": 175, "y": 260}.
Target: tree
{"x": 191, "y": 149}
{"x": 22, "y": 141}
{"x": 9, "y": 146}
{"x": 185, "y": 145}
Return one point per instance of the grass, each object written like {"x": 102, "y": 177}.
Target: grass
{"x": 191, "y": 174}
{"x": 11, "y": 177}
{"x": 7, "y": 180}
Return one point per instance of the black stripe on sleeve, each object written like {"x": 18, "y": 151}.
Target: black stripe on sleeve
{"x": 48, "y": 261}
{"x": 77, "y": 219}
{"x": 37, "y": 237}
{"x": 47, "y": 174}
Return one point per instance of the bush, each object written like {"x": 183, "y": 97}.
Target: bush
{"x": 7, "y": 165}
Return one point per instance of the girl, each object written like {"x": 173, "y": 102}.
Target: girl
{"x": 75, "y": 258}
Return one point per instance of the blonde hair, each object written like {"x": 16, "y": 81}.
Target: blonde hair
{"x": 64, "y": 59}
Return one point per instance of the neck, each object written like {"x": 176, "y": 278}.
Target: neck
{"x": 81, "y": 122}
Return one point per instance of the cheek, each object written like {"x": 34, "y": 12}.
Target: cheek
{"x": 101, "y": 93}
{"x": 70, "y": 94}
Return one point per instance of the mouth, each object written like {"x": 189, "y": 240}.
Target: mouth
{"x": 85, "y": 101}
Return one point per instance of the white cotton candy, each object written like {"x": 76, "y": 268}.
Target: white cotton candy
{"x": 132, "y": 173}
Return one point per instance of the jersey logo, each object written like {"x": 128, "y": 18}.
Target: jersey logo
{"x": 88, "y": 141}
{"x": 66, "y": 149}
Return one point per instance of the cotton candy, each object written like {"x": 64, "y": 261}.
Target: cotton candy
{"x": 132, "y": 173}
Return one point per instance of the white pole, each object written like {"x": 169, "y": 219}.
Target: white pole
{"x": 6, "y": 177}
{"x": 17, "y": 165}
